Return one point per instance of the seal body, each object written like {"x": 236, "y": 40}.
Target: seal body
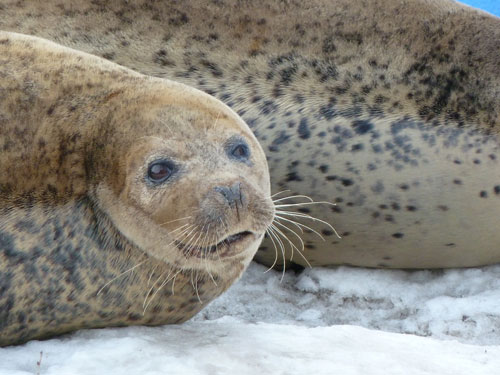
{"x": 389, "y": 109}
{"x": 124, "y": 199}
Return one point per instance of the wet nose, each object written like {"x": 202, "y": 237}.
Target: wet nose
{"x": 232, "y": 194}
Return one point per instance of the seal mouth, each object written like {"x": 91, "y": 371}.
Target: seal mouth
{"x": 220, "y": 247}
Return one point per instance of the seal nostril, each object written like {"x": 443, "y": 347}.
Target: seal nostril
{"x": 232, "y": 194}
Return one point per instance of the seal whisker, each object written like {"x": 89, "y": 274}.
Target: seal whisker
{"x": 180, "y": 235}
{"x": 144, "y": 303}
{"x": 292, "y": 245}
{"x": 165, "y": 282}
{"x": 306, "y": 216}
{"x": 275, "y": 250}
{"x": 189, "y": 237}
{"x": 205, "y": 244}
{"x": 304, "y": 204}
{"x": 120, "y": 275}
{"x": 279, "y": 192}
{"x": 151, "y": 274}
{"x": 282, "y": 248}
{"x": 194, "y": 242}
{"x": 277, "y": 218}
{"x": 294, "y": 196}
{"x": 181, "y": 227}
{"x": 216, "y": 243}
{"x": 195, "y": 284}
{"x": 300, "y": 224}
{"x": 171, "y": 221}
{"x": 173, "y": 282}
{"x": 185, "y": 228}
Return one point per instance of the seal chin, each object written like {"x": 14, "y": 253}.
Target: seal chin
{"x": 230, "y": 245}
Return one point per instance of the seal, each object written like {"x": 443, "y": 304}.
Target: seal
{"x": 124, "y": 199}
{"x": 389, "y": 109}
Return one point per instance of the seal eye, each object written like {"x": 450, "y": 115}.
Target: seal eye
{"x": 240, "y": 151}
{"x": 160, "y": 171}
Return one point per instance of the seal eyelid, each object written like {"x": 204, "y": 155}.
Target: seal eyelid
{"x": 160, "y": 171}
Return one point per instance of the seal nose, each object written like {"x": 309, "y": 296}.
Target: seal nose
{"x": 232, "y": 194}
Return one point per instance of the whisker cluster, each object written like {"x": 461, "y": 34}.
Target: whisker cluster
{"x": 191, "y": 238}
{"x": 284, "y": 223}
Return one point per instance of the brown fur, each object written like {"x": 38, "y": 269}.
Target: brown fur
{"x": 388, "y": 108}
{"x": 77, "y": 209}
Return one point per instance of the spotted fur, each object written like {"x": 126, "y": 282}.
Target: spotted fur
{"x": 388, "y": 108}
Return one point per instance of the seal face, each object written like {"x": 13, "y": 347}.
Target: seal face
{"x": 124, "y": 199}
{"x": 389, "y": 109}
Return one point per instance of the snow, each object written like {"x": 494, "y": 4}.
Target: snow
{"x": 460, "y": 304}
{"x": 320, "y": 321}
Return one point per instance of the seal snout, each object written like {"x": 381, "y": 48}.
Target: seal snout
{"x": 233, "y": 214}
{"x": 233, "y": 195}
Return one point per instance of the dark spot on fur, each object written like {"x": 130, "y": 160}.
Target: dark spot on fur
{"x": 282, "y": 137}
{"x": 347, "y": 182}
{"x": 357, "y": 147}
{"x": 323, "y": 168}
{"x": 336, "y": 209}
{"x": 179, "y": 20}
{"x": 160, "y": 57}
{"x": 293, "y": 176}
{"x": 328, "y": 45}
{"x": 213, "y": 68}
{"x": 303, "y": 129}
{"x": 361, "y": 126}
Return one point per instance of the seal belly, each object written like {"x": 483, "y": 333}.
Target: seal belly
{"x": 408, "y": 195}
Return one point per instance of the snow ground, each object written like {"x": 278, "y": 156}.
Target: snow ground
{"x": 264, "y": 326}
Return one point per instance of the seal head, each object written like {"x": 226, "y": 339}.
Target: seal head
{"x": 190, "y": 191}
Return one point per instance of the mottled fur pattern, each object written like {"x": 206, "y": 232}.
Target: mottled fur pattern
{"x": 388, "y": 108}
{"x": 87, "y": 239}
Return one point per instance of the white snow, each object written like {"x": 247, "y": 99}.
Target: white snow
{"x": 306, "y": 324}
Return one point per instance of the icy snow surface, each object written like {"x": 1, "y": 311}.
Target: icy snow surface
{"x": 306, "y": 324}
